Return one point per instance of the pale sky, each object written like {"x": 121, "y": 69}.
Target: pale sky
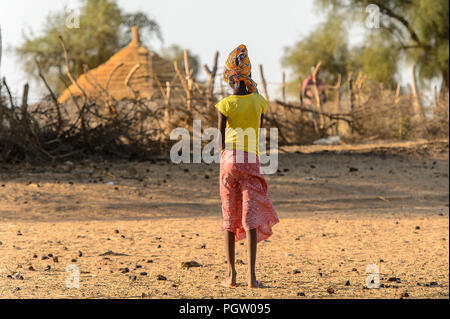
{"x": 203, "y": 26}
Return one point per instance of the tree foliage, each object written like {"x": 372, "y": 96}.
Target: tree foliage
{"x": 413, "y": 31}
{"x": 103, "y": 30}
{"x": 378, "y": 61}
{"x": 418, "y": 30}
{"x": 148, "y": 27}
{"x": 328, "y": 43}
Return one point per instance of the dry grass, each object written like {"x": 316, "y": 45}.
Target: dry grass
{"x": 376, "y": 114}
{"x": 139, "y": 128}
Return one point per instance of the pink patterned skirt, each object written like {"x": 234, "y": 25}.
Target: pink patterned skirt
{"x": 243, "y": 190}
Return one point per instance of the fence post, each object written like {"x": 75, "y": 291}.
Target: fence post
{"x": 167, "y": 111}
{"x": 184, "y": 84}
{"x": 350, "y": 96}
{"x": 397, "y": 92}
{"x": 338, "y": 100}
{"x": 263, "y": 80}
{"x": 317, "y": 95}
{"x": 436, "y": 96}
{"x": 416, "y": 97}
{"x": 165, "y": 93}
{"x": 189, "y": 80}
{"x": 24, "y": 107}
{"x": 359, "y": 83}
{"x": 300, "y": 95}
{"x": 211, "y": 78}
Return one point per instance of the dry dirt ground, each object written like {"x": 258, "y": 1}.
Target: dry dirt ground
{"x": 342, "y": 208}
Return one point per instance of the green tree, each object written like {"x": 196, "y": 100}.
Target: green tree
{"x": 327, "y": 43}
{"x": 103, "y": 30}
{"x": 176, "y": 53}
{"x": 148, "y": 27}
{"x": 418, "y": 30}
{"x": 377, "y": 60}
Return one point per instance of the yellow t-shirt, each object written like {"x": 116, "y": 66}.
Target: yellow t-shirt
{"x": 243, "y": 113}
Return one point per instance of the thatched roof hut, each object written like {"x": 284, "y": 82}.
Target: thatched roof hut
{"x": 134, "y": 63}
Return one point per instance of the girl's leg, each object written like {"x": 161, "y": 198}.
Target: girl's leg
{"x": 251, "y": 251}
{"x": 230, "y": 252}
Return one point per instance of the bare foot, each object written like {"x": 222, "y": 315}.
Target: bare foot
{"x": 230, "y": 281}
{"x": 254, "y": 284}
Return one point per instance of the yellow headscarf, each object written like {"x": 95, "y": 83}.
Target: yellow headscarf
{"x": 238, "y": 68}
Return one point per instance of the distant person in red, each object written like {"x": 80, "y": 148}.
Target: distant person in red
{"x": 308, "y": 89}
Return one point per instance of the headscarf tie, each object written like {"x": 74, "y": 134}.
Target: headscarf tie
{"x": 238, "y": 68}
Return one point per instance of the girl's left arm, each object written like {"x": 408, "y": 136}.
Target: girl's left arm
{"x": 222, "y": 124}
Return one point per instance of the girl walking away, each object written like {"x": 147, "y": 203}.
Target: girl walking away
{"x": 247, "y": 211}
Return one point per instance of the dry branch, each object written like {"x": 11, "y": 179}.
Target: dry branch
{"x": 331, "y": 116}
{"x": 263, "y": 80}
{"x": 211, "y": 78}
{"x": 186, "y": 87}
{"x": 128, "y": 78}
{"x": 111, "y": 74}
{"x": 416, "y": 97}
{"x": 69, "y": 74}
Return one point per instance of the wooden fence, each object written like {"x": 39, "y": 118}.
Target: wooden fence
{"x": 45, "y": 131}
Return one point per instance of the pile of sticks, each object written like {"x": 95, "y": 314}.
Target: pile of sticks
{"x": 102, "y": 126}
{"x": 139, "y": 128}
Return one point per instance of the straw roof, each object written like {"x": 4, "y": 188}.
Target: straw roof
{"x": 135, "y": 63}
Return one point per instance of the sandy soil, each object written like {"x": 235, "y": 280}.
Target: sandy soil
{"x": 342, "y": 208}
